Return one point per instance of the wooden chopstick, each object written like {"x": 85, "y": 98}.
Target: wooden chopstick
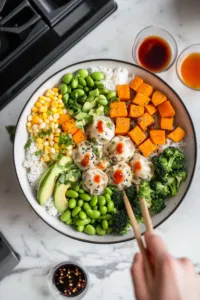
{"x": 146, "y": 215}
{"x": 138, "y": 237}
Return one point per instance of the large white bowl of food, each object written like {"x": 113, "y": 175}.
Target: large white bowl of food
{"x": 93, "y": 130}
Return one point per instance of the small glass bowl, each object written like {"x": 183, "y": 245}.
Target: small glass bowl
{"x": 185, "y": 53}
{"x": 56, "y": 292}
{"x": 157, "y": 32}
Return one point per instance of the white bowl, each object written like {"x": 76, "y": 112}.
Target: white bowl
{"x": 182, "y": 119}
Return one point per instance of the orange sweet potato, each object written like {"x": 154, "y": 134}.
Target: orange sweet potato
{"x": 166, "y": 109}
{"x": 118, "y": 109}
{"x": 122, "y": 126}
{"x": 147, "y": 147}
{"x": 137, "y": 135}
{"x": 151, "y": 109}
{"x": 141, "y": 99}
{"x": 177, "y": 135}
{"x": 136, "y": 111}
{"x": 64, "y": 118}
{"x": 123, "y": 92}
{"x": 135, "y": 83}
{"x": 145, "y": 121}
{"x": 166, "y": 123}
{"x": 145, "y": 89}
{"x": 70, "y": 127}
{"x": 157, "y": 136}
{"x": 79, "y": 136}
{"x": 158, "y": 98}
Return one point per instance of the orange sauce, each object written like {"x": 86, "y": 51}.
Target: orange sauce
{"x": 190, "y": 70}
{"x": 120, "y": 148}
{"x": 118, "y": 177}
{"x": 97, "y": 178}
{"x": 137, "y": 167}
{"x": 100, "y": 126}
{"x": 85, "y": 160}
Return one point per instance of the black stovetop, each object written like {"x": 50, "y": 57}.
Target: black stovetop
{"x": 34, "y": 33}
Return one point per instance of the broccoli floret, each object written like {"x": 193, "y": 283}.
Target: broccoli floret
{"x": 158, "y": 204}
{"x": 161, "y": 165}
{"x": 117, "y": 198}
{"x": 120, "y": 222}
{"x": 146, "y": 192}
{"x": 179, "y": 175}
{"x": 131, "y": 192}
{"x": 160, "y": 189}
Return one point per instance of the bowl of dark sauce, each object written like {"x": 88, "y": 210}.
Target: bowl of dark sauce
{"x": 154, "y": 49}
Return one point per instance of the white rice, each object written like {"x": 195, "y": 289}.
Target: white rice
{"x": 50, "y": 208}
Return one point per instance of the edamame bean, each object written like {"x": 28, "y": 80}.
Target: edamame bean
{"x": 86, "y": 89}
{"x": 76, "y": 211}
{"x": 107, "y": 196}
{"x": 105, "y": 224}
{"x": 85, "y": 197}
{"x": 83, "y": 73}
{"x": 93, "y": 201}
{"x": 90, "y": 230}
{"x": 99, "y": 84}
{"x": 103, "y": 102}
{"x": 69, "y": 89}
{"x": 82, "y": 215}
{"x": 65, "y": 98}
{"x": 101, "y": 200}
{"x": 80, "y": 203}
{"x": 93, "y": 221}
{"x": 82, "y": 81}
{"x": 95, "y": 214}
{"x": 71, "y": 101}
{"x": 72, "y": 203}
{"x": 63, "y": 88}
{"x": 110, "y": 206}
{"x": 65, "y": 216}
{"x": 109, "y": 191}
{"x": 83, "y": 222}
{"x": 76, "y": 187}
{"x": 103, "y": 91}
{"x": 80, "y": 228}
{"x": 89, "y": 81}
{"x": 90, "y": 98}
{"x": 103, "y": 210}
{"x": 79, "y": 92}
{"x": 81, "y": 191}
{"x": 100, "y": 230}
{"x": 111, "y": 95}
{"x": 94, "y": 93}
{"x": 97, "y": 76}
{"x": 95, "y": 207}
{"x": 72, "y": 194}
{"x": 69, "y": 222}
{"x": 74, "y": 83}
{"x": 79, "y": 86}
{"x": 89, "y": 212}
{"x": 106, "y": 217}
{"x": 86, "y": 206}
{"x": 67, "y": 78}
{"x": 109, "y": 230}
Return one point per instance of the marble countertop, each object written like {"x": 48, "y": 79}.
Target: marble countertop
{"x": 39, "y": 246}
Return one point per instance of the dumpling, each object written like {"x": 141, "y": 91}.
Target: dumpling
{"x": 142, "y": 168}
{"x": 87, "y": 155}
{"x": 95, "y": 181}
{"x": 120, "y": 175}
{"x": 121, "y": 148}
{"x": 102, "y": 129}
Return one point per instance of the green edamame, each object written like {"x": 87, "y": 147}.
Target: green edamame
{"x": 89, "y": 81}
{"x": 90, "y": 98}
{"x": 90, "y": 230}
{"x": 69, "y": 89}
{"x": 89, "y": 212}
{"x": 65, "y": 216}
{"x": 111, "y": 95}
{"x": 81, "y": 191}
{"x": 80, "y": 202}
{"x": 103, "y": 102}
{"x": 74, "y": 83}
{"x": 101, "y": 200}
{"x": 110, "y": 206}
{"x": 72, "y": 203}
{"x": 106, "y": 217}
{"x": 109, "y": 191}
{"x": 65, "y": 98}
{"x": 94, "y": 93}
{"x": 107, "y": 196}
{"x": 93, "y": 221}
{"x": 100, "y": 230}
{"x": 97, "y": 76}
{"x": 99, "y": 84}
{"x": 83, "y": 222}
{"x": 69, "y": 222}
{"x": 95, "y": 207}
{"x": 82, "y": 81}
{"x": 72, "y": 194}
{"x": 79, "y": 86}
{"x": 75, "y": 187}
{"x": 93, "y": 201}
{"x": 76, "y": 211}
{"x": 79, "y": 92}
{"x": 105, "y": 224}
{"x": 86, "y": 89}
{"x": 103, "y": 91}
{"x": 82, "y": 215}
{"x": 67, "y": 78}
{"x": 86, "y": 206}
{"x": 80, "y": 228}
{"x": 95, "y": 214}
{"x": 83, "y": 73}
{"x": 63, "y": 88}
{"x": 85, "y": 197}
{"x": 103, "y": 210}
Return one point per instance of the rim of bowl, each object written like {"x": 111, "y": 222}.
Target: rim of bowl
{"x": 177, "y": 61}
{"x": 195, "y": 142}
{"x": 134, "y": 56}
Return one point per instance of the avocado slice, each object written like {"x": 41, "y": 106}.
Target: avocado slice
{"x": 47, "y": 185}
{"x": 43, "y": 176}
{"x": 60, "y": 200}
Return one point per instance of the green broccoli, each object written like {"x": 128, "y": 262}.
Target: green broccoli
{"x": 158, "y": 204}
{"x": 120, "y": 222}
{"x": 179, "y": 175}
{"x": 131, "y": 192}
{"x": 117, "y": 198}
{"x": 146, "y": 192}
{"x": 160, "y": 189}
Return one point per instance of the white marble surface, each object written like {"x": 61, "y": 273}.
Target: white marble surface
{"x": 40, "y": 246}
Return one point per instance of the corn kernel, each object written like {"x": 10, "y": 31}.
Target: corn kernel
{"x": 46, "y": 121}
{"x": 56, "y": 146}
{"x": 29, "y": 118}
{"x": 44, "y": 98}
{"x": 35, "y": 120}
{"x": 54, "y": 103}
{"x": 30, "y": 129}
{"x": 28, "y": 124}
{"x": 54, "y": 110}
{"x": 38, "y": 104}
{"x": 40, "y": 146}
{"x": 47, "y": 149}
{"x": 39, "y": 140}
{"x": 60, "y": 96}
{"x": 56, "y": 139}
{"x": 34, "y": 109}
{"x": 55, "y": 89}
{"x": 43, "y": 109}
{"x": 46, "y": 158}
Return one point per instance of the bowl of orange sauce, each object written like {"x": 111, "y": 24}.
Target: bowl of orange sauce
{"x": 188, "y": 67}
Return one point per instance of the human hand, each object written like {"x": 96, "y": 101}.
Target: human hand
{"x": 173, "y": 279}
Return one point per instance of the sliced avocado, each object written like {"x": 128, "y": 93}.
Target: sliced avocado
{"x": 43, "y": 176}
{"x": 60, "y": 200}
{"x": 47, "y": 185}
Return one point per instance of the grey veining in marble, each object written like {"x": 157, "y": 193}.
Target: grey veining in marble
{"x": 39, "y": 246}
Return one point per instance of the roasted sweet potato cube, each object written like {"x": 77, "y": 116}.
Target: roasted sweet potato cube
{"x": 166, "y": 109}
{"x": 157, "y": 136}
{"x": 122, "y": 126}
{"x": 147, "y": 147}
{"x": 70, "y": 127}
{"x": 158, "y": 98}
{"x": 151, "y": 109}
{"x": 145, "y": 121}
{"x": 79, "y": 136}
{"x": 137, "y": 135}
{"x": 135, "y": 83}
{"x": 141, "y": 99}
{"x": 166, "y": 123}
{"x": 118, "y": 109}
{"x": 123, "y": 92}
{"x": 177, "y": 135}
{"x": 63, "y": 118}
{"x": 145, "y": 89}
{"x": 136, "y": 111}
